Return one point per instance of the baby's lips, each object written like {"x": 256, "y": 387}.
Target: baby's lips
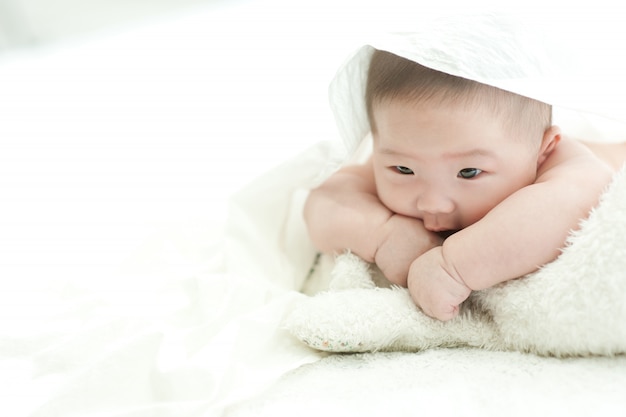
{"x": 435, "y": 227}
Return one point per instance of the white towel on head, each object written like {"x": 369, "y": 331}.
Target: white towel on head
{"x": 498, "y": 50}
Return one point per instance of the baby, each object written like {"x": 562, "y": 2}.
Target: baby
{"x": 467, "y": 186}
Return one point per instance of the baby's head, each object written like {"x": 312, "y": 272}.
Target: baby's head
{"x": 447, "y": 149}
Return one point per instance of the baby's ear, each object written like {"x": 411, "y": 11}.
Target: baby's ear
{"x": 551, "y": 138}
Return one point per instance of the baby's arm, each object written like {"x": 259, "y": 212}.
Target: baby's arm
{"x": 525, "y": 231}
{"x": 344, "y": 213}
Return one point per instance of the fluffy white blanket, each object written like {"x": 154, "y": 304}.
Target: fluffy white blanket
{"x": 572, "y": 306}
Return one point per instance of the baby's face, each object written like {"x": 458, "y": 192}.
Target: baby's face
{"x": 447, "y": 165}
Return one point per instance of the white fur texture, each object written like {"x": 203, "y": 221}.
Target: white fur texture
{"x": 572, "y": 306}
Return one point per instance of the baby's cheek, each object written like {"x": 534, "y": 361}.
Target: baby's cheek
{"x": 390, "y": 198}
{"x": 399, "y": 204}
{"x": 474, "y": 214}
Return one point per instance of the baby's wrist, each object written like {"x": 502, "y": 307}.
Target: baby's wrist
{"x": 451, "y": 270}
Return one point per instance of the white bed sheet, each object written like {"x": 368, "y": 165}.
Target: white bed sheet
{"x": 118, "y": 155}
{"x": 123, "y": 292}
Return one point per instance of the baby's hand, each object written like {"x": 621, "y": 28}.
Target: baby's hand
{"x": 434, "y": 288}
{"x": 401, "y": 241}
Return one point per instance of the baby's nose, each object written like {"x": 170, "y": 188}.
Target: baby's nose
{"x": 434, "y": 202}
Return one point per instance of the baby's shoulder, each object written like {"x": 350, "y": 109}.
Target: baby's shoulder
{"x": 571, "y": 160}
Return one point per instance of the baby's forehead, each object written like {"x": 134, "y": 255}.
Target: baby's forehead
{"x": 484, "y": 106}
{"x": 472, "y": 121}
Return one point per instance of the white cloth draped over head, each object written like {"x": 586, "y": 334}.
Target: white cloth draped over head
{"x": 505, "y": 52}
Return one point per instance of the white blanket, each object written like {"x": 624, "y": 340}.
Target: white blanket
{"x": 446, "y": 382}
{"x": 123, "y": 290}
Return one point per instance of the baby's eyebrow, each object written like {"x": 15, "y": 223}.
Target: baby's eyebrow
{"x": 474, "y": 152}
{"x": 389, "y": 151}
{"x": 487, "y": 153}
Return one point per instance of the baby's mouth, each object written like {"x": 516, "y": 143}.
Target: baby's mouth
{"x": 440, "y": 226}
{"x": 433, "y": 226}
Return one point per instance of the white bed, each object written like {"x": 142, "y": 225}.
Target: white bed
{"x": 130, "y": 286}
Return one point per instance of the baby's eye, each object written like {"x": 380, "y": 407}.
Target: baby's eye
{"x": 468, "y": 173}
{"x": 403, "y": 170}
